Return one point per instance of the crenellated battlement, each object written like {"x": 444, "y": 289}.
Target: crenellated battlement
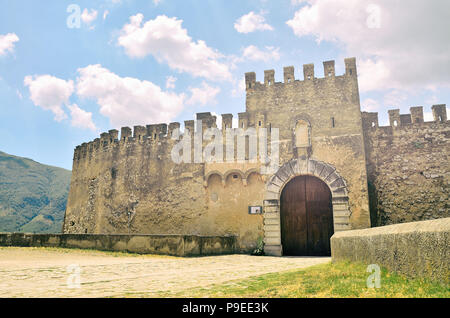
{"x": 158, "y": 134}
{"x": 309, "y": 77}
{"x": 415, "y": 117}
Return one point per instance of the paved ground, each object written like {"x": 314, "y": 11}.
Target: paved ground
{"x": 38, "y": 272}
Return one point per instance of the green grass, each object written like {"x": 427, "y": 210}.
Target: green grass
{"x": 341, "y": 280}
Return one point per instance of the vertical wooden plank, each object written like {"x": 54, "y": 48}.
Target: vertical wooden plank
{"x": 319, "y": 217}
{"x": 293, "y": 217}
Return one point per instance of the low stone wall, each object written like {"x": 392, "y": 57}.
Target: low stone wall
{"x": 177, "y": 245}
{"x": 416, "y": 249}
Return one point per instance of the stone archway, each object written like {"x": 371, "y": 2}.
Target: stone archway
{"x": 297, "y": 167}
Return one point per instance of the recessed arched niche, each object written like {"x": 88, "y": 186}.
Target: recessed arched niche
{"x": 302, "y": 137}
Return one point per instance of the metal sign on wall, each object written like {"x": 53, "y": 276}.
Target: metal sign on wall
{"x": 255, "y": 210}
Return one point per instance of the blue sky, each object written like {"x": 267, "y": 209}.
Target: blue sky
{"x": 142, "y": 62}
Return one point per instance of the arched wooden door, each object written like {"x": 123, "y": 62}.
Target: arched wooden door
{"x": 306, "y": 217}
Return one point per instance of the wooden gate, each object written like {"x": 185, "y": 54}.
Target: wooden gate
{"x": 306, "y": 217}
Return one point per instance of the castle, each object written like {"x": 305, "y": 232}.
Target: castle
{"x": 338, "y": 170}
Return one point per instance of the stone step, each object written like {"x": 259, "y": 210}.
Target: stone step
{"x": 272, "y": 241}
{"x": 272, "y": 221}
{"x": 275, "y": 234}
{"x": 273, "y": 250}
{"x": 271, "y": 209}
{"x": 271, "y": 228}
{"x": 342, "y": 227}
{"x": 341, "y": 213}
{"x": 271, "y": 215}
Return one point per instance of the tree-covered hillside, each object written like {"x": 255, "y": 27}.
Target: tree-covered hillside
{"x": 33, "y": 196}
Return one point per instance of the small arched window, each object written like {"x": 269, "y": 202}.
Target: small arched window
{"x": 302, "y": 134}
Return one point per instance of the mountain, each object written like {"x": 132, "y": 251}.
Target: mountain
{"x": 33, "y": 196}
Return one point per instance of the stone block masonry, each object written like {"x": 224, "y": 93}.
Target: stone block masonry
{"x": 408, "y": 166}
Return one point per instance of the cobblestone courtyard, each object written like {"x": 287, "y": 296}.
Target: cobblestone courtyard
{"x": 42, "y": 272}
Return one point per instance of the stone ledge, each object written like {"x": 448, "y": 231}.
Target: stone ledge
{"x": 170, "y": 244}
{"x": 416, "y": 249}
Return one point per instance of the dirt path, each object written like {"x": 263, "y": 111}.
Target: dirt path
{"x": 41, "y": 272}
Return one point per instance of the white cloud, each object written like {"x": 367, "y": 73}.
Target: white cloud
{"x": 156, "y": 2}
{"x": 170, "y": 82}
{"x": 252, "y": 22}
{"x": 125, "y": 100}
{"x": 166, "y": 40}
{"x": 239, "y": 88}
{"x": 81, "y": 118}
{"x": 253, "y": 53}
{"x": 395, "y": 98}
{"x": 398, "y": 45}
{"x": 50, "y": 93}
{"x": 370, "y": 105}
{"x": 105, "y": 14}
{"x": 203, "y": 95}
{"x": 7, "y": 43}
{"x": 89, "y": 17}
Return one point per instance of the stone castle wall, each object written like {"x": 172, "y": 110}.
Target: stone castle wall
{"x": 131, "y": 185}
{"x": 408, "y": 166}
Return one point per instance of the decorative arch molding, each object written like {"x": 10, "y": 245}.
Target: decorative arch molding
{"x": 250, "y": 171}
{"x": 210, "y": 174}
{"x": 275, "y": 184}
{"x": 223, "y": 176}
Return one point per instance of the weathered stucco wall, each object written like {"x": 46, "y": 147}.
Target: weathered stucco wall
{"x": 131, "y": 185}
{"x": 177, "y": 245}
{"x": 416, "y": 249}
{"x": 408, "y": 166}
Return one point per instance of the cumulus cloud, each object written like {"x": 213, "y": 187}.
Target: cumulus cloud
{"x": 253, "y": 53}
{"x": 105, "y": 14}
{"x": 50, "y": 93}
{"x": 81, "y": 118}
{"x": 398, "y": 45}
{"x": 125, "y": 100}
{"x": 166, "y": 40}
{"x": 252, "y": 22}
{"x": 203, "y": 95}
{"x": 89, "y": 16}
{"x": 7, "y": 43}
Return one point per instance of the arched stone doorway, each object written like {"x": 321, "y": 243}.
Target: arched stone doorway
{"x": 306, "y": 216}
{"x": 275, "y": 184}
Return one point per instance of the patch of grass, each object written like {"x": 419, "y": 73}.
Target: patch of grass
{"x": 340, "y": 280}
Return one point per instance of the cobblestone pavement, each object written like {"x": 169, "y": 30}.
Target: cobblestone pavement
{"x": 42, "y": 272}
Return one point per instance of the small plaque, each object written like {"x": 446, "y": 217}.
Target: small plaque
{"x": 255, "y": 210}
